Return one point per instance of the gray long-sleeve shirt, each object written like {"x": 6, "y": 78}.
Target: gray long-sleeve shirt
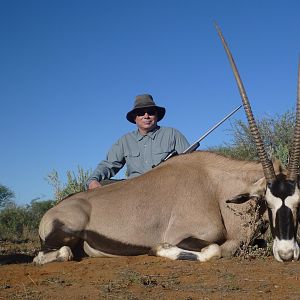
{"x": 139, "y": 152}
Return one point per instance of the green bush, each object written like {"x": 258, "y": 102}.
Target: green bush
{"x": 35, "y": 212}
{"x": 75, "y": 183}
{"x": 276, "y": 132}
{"x": 12, "y": 222}
{"x": 21, "y": 222}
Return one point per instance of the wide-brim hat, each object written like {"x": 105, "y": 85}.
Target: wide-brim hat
{"x": 145, "y": 101}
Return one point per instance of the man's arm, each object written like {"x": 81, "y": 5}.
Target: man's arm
{"x": 181, "y": 142}
{"x": 109, "y": 167}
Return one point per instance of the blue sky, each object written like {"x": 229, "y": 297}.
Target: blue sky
{"x": 70, "y": 70}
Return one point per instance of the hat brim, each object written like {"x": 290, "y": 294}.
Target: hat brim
{"x": 132, "y": 114}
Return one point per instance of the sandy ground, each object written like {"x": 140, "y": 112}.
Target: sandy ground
{"x": 147, "y": 277}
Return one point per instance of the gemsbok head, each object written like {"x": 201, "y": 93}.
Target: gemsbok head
{"x": 281, "y": 191}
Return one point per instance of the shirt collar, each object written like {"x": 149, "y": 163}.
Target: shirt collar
{"x": 151, "y": 133}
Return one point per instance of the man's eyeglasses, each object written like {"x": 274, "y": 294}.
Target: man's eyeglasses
{"x": 149, "y": 111}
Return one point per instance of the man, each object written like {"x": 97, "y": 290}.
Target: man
{"x": 140, "y": 149}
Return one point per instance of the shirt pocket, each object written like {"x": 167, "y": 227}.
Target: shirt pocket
{"x": 132, "y": 161}
{"x": 132, "y": 153}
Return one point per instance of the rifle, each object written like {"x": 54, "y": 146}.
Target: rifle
{"x": 196, "y": 144}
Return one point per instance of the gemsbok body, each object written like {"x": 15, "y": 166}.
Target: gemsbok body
{"x": 192, "y": 207}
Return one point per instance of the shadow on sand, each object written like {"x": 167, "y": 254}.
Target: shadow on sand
{"x": 15, "y": 259}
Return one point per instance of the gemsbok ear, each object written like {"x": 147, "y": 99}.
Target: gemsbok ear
{"x": 255, "y": 191}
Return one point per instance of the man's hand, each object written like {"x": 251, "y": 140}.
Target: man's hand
{"x": 94, "y": 184}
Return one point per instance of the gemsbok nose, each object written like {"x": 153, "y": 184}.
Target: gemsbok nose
{"x": 286, "y": 250}
{"x": 286, "y": 255}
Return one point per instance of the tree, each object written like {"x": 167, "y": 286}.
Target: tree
{"x": 6, "y": 196}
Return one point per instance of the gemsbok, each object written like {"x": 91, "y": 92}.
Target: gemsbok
{"x": 185, "y": 208}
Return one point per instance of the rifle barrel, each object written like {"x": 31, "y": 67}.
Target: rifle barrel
{"x": 195, "y": 145}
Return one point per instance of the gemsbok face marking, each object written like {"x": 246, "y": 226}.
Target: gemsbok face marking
{"x": 282, "y": 197}
{"x": 282, "y": 191}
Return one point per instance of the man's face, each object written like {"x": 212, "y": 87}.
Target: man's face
{"x": 146, "y": 119}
